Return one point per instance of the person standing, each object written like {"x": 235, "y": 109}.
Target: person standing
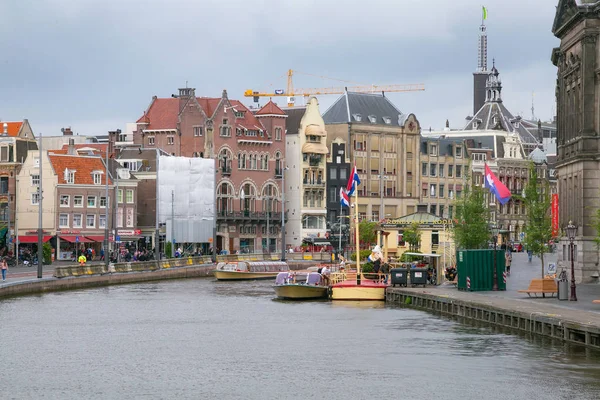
{"x": 507, "y": 261}
{"x": 4, "y": 267}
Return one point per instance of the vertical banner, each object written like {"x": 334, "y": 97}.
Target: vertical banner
{"x": 555, "y": 215}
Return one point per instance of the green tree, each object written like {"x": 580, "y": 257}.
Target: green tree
{"x": 368, "y": 232}
{"x": 471, "y": 229}
{"x": 537, "y": 200}
{"x": 412, "y": 236}
{"x": 47, "y": 253}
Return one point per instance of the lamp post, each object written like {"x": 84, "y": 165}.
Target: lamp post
{"x": 495, "y": 232}
{"x": 571, "y": 232}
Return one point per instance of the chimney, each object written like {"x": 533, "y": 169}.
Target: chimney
{"x": 184, "y": 95}
{"x": 5, "y": 131}
{"x": 67, "y": 131}
{"x": 224, "y": 95}
{"x": 71, "y": 149}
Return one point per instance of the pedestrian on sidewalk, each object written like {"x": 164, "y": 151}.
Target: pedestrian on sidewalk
{"x": 507, "y": 260}
{"x": 4, "y": 267}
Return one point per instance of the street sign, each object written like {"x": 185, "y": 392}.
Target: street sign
{"x": 118, "y": 239}
{"x": 522, "y": 235}
{"x": 76, "y": 239}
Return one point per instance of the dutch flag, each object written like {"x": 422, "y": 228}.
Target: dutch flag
{"x": 496, "y": 187}
{"x": 344, "y": 200}
{"x": 353, "y": 182}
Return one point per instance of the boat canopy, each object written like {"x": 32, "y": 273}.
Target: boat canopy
{"x": 281, "y": 278}
{"x": 314, "y": 278}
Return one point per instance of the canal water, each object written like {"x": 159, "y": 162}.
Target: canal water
{"x": 201, "y": 339}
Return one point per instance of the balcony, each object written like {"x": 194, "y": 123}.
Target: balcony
{"x": 226, "y": 171}
{"x": 278, "y": 172}
{"x": 310, "y": 183}
{"x": 314, "y": 160}
{"x": 254, "y": 216}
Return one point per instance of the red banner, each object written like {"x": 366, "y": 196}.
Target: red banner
{"x": 555, "y": 215}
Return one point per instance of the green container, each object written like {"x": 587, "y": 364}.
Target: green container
{"x": 478, "y": 266}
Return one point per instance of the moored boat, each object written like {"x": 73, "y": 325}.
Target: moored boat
{"x": 291, "y": 287}
{"x": 249, "y": 270}
{"x": 345, "y": 286}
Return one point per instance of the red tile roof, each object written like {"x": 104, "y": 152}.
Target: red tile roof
{"x": 83, "y": 167}
{"x": 13, "y": 127}
{"x": 162, "y": 114}
{"x": 97, "y": 148}
{"x": 208, "y": 104}
{"x": 270, "y": 109}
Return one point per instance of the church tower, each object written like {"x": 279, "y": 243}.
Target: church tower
{"x": 481, "y": 73}
{"x": 577, "y": 25}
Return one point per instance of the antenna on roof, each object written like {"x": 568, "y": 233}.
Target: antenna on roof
{"x": 186, "y": 84}
{"x": 533, "y": 106}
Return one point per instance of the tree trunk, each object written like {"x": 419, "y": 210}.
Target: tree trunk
{"x": 542, "y": 258}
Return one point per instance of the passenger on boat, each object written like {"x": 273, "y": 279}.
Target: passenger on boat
{"x": 325, "y": 272}
{"x": 385, "y": 270}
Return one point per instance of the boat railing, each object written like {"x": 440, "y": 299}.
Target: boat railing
{"x": 338, "y": 277}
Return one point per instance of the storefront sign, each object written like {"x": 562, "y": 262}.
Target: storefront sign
{"x": 129, "y": 232}
{"x": 69, "y": 232}
{"x": 554, "y": 215}
{"x": 400, "y": 224}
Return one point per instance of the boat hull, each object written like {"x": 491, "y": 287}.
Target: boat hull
{"x": 243, "y": 276}
{"x": 300, "y": 292}
{"x": 352, "y": 291}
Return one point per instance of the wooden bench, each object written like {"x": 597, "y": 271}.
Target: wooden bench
{"x": 541, "y": 286}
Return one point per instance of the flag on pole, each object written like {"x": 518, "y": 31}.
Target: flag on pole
{"x": 484, "y": 13}
{"x": 496, "y": 187}
{"x": 344, "y": 200}
{"x": 353, "y": 182}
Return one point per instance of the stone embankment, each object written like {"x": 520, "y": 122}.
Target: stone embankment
{"x": 569, "y": 325}
{"x": 95, "y": 275}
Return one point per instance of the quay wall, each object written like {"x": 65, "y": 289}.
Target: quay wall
{"x": 537, "y": 319}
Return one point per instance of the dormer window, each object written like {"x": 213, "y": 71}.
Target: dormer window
{"x": 372, "y": 119}
{"x": 433, "y": 150}
{"x": 475, "y": 124}
{"x": 97, "y": 176}
{"x": 69, "y": 176}
{"x": 387, "y": 120}
{"x": 357, "y": 117}
{"x": 458, "y": 152}
{"x": 240, "y": 114}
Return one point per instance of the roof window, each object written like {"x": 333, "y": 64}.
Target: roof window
{"x": 373, "y": 119}
{"x": 387, "y": 120}
{"x": 357, "y": 117}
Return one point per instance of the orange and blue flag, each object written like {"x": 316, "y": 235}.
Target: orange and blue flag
{"x": 353, "y": 182}
{"x": 496, "y": 187}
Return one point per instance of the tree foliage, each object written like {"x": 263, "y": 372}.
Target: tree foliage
{"x": 412, "y": 236}
{"x": 367, "y": 232}
{"x": 537, "y": 200}
{"x": 471, "y": 230}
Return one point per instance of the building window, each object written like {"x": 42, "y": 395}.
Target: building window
{"x": 441, "y": 170}
{"x": 64, "y": 200}
{"x": 333, "y": 194}
{"x": 102, "y": 221}
{"x": 129, "y": 196}
{"x": 120, "y": 196}
{"x": 78, "y": 201}
{"x": 432, "y": 209}
{"x": 35, "y": 198}
{"x": 198, "y": 131}
{"x": 424, "y": 169}
{"x": 333, "y": 173}
{"x": 432, "y": 191}
{"x": 77, "y": 221}
{"x": 129, "y": 220}
{"x": 458, "y": 152}
{"x": 70, "y": 177}
{"x": 91, "y": 201}
{"x": 343, "y": 173}
{"x": 4, "y": 153}
{"x": 441, "y": 191}
{"x": 225, "y": 129}
{"x": 170, "y": 139}
{"x": 450, "y": 194}
{"x": 63, "y": 220}
{"x": 97, "y": 178}
{"x": 150, "y": 140}
{"x": 459, "y": 171}
{"x": 103, "y": 201}
{"x": 278, "y": 133}
{"x": 120, "y": 217}
{"x": 435, "y": 237}
{"x": 35, "y": 180}
{"x": 433, "y": 170}
{"x": 433, "y": 150}
{"x": 90, "y": 221}
{"x": 424, "y": 192}
{"x": 450, "y": 170}
{"x": 450, "y": 209}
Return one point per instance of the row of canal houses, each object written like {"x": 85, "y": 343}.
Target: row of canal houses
{"x": 266, "y": 156}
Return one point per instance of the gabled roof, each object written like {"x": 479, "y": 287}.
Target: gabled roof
{"x": 362, "y": 106}
{"x": 209, "y": 105}
{"x": 13, "y": 128}
{"x": 538, "y": 156}
{"x": 569, "y": 11}
{"x": 446, "y": 145}
{"x": 162, "y": 114}
{"x": 292, "y": 122}
{"x": 83, "y": 167}
{"x": 270, "y": 109}
{"x": 97, "y": 149}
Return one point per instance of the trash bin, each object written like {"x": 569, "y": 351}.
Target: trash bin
{"x": 399, "y": 276}
{"x": 563, "y": 286}
{"x": 418, "y": 276}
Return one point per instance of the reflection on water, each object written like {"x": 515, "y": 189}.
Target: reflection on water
{"x": 203, "y": 339}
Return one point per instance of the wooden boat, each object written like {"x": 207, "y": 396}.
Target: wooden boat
{"x": 346, "y": 286}
{"x": 247, "y": 270}
{"x": 291, "y": 286}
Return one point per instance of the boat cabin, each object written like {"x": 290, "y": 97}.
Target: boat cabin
{"x": 253, "y": 266}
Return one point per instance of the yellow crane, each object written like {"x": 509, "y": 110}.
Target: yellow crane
{"x": 291, "y": 93}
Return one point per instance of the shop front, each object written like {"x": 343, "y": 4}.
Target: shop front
{"x": 71, "y": 243}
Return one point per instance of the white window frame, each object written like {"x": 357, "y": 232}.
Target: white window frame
{"x": 97, "y": 176}
{"x": 67, "y": 197}
{"x": 127, "y": 193}
{"x": 60, "y": 220}
{"x": 80, "y": 198}
{"x": 104, "y": 205}
{"x": 87, "y": 220}
{"x": 35, "y": 181}
{"x": 433, "y": 150}
{"x": 198, "y": 130}
{"x": 150, "y": 140}
{"x": 35, "y": 199}
{"x": 170, "y": 140}
{"x": 70, "y": 177}
{"x": 102, "y": 221}
{"x": 93, "y": 205}
{"x": 128, "y": 222}
{"x": 120, "y": 196}
{"x": 80, "y": 220}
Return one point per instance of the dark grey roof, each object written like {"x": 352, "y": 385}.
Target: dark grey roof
{"x": 504, "y": 121}
{"x": 365, "y": 108}
{"x": 551, "y": 159}
{"x": 141, "y": 154}
{"x": 292, "y": 122}
{"x": 112, "y": 170}
{"x": 446, "y": 145}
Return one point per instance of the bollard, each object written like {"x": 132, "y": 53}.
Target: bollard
{"x": 468, "y": 283}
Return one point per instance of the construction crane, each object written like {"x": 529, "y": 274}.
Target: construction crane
{"x": 291, "y": 93}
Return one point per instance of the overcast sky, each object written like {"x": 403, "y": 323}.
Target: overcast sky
{"x": 95, "y": 64}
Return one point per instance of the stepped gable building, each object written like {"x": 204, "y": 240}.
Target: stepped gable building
{"x": 577, "y": 25}
{"x": 384, "y": 143}
{"x": 249, "y": 148}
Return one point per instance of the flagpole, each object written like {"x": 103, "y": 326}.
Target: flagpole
{"x": 357, "y": 236}
{"x": 341, "y": 219}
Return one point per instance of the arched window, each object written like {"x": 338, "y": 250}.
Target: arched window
{"x": 225, "y": 157}
{"x": 278, "y": 160}
{"x": 239, "y": 157}
{"x": 225, "y": 195}
{"x": 248, "y": 198}
{"x": 243, "y": 163}
{"x": 270, "y": 194}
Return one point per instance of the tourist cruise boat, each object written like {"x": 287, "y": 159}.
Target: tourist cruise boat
{"x": 300, "y": 286}
{"x": 246, "y": 270}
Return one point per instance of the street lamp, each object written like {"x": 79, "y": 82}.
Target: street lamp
{"x": 571, "y": 232}
{"x": 495, "y": 232}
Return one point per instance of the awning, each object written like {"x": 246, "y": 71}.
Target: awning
{"x": 99, "y": 239}
{"x": 315, "y": 148}
{"x": 73, "y": 239}
{"x": 315, "y": 130}
{"x": 33, "y": 239}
